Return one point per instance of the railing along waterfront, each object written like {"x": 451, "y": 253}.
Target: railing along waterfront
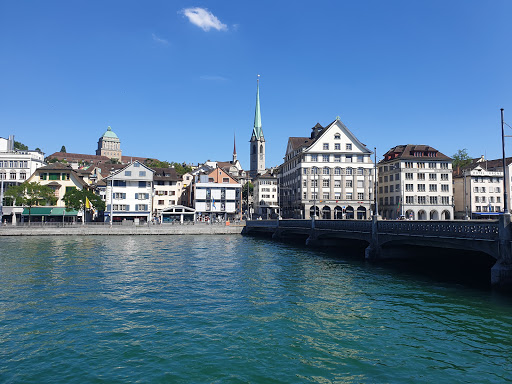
{"x": 453, "y": 229}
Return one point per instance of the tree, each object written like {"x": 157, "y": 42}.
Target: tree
{"x": 20, "y": 146}
{"x": 461, "y": 159}
{"x": 181, "y": 169}
{"x": 154, "y": 163}
{"x": 113, "y": 161}
{"x": 244, "y": 190}
{"x": 63, "y": 149}
{"x": 31, "y": 194}
{"x": 39, "y": 150}
{"x": 76, "y": 199}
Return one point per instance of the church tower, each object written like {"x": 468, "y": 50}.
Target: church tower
{"x": 257, "y": 142}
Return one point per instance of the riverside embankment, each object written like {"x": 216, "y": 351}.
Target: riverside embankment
{"x": 88, "y": 230}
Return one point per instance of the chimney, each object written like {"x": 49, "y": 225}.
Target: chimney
{"x": 10, "y": 145}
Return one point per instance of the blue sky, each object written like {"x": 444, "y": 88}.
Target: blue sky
{"x": 177, "y": 79}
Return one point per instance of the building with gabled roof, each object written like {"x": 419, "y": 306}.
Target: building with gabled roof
{"x": 328, "y": 175}
{"x": 415, "y": 182}
{"x": 266, "y": 195}
{"x": 215, "y": 195}
{"x": 129, "y": 194}
{"x": 168, "y": 189}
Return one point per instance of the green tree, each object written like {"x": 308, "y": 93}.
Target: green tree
{"x": 154, "y": 163}
{"x": 20, "y": 146}
{"x": 76, "y": 199}
{"x": 38, "y": 149}
{"x": 63, "y": 149}
{"x": 113, "y": 161}
{"x": 244, "y": 190}
{"x": 30, "y": 195}
{"x": 181, "y": 169}
{"x": 461, "y": 159}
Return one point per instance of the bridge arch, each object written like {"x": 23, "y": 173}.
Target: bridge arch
{"x": 422, "y": 215}
{"x": 445, "y": 215}
{"x": 434, "y": 215}
{"x": 361, "y": 213}
{"x": 312, "y": 210}
{"x": 326, "y": 213}
{"x": 410, "y": 215}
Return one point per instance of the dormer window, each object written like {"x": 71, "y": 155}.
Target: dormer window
{"x": 337, "y": 136}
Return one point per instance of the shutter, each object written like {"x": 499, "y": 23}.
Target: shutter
{"x": 136, "y": 196}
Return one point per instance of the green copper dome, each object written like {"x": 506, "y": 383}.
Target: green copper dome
{"x": 110, "y": 134}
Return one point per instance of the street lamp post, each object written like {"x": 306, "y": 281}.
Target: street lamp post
{"x": 505, "y": 176}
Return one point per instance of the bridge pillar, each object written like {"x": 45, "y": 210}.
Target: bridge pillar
{"x": 373, "y": 251}
{"x": 501, "y": 272}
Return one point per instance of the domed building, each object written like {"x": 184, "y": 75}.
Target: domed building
{"x": 109, "y": 145}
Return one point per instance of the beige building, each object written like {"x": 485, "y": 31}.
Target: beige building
{"x": 266, "y": 197}
{"x": 168, "y": 188}
{"x": 330, "y": 173}
{"x": 109, "y": 145}
{"x": 415, "y": 182}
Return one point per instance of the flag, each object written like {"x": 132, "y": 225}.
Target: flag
{"x": 213, "y": 202}
{"x": 88, "y": 204}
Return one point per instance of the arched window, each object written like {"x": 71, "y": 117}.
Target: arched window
{"x": 337, "y": 136}
{"x": 326, "y": 171}
{"x": 314, "y": 170}
{"x": 360, "y": 171}
{"x": 348, "y": 171}
{"x": 337, "y": 171}
{"x": 261, "y": 148}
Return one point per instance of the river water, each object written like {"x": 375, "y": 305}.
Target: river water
{"x": 232, "y": 309}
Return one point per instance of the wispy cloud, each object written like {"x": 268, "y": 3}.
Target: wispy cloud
{"x": 204, "y": 19}
{"x": 213, "y": 78}
{"x": 159, "y": 39}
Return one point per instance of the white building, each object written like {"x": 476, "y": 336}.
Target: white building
{"x": 130, "y": 194}
{"x": 478, "y": 192}
{"x": 415, "y": 182}
{"x": 168, "y": 189}
{"x": 266, "y": 197}
{"x": 16, "y": 166}
{"x": 216, "y": 195}
{"x": 331, "y": 171}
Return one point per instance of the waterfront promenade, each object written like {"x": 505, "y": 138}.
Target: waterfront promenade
{"x": 36, "y": 229}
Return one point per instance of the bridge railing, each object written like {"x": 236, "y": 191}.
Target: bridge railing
{"x": 345, "y": 225}
{"x": 455, "y": 229}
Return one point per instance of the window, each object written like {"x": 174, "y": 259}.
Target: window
{"x": 421, "y": 176}
{"x": 337, "y": 171}
{"x": 337, "y": 136}
{"x": 433, "y": 199}
{"x": 432, "y": 187}
{"x": 325, "y": 183}
{"x": 54, "y": 176}
{"x": 445, "y": 188}
{"x": 314, "y": 196}
{"x": 13, "y": 175}
{"x": 360, "y": 196}
{"x": 409, "y": 199}
{"x": 348, "y": 147}
{"x": 390, "y": 177}
{"x": 337, "y": 183}
{"x": 422, "y": 200}
{"x": 360, "y": 171}
{"x": 392, "y": 200}
{"x": 305, "y": 195}
{"x": 127, "y": 173}
{"x": 314, "y": 170}
{"x": 348, "y": 183}
{"x": 432, "y": 165}
{"x": 391, "y": 188}
{"x": 314, "y": 183}
{"x": 326, "y": 146}
{"x": 360, "y": 183}
{"x": 119, "y": 195}
{"x": 408, "y": 176}
{"x": 408, "y": 164}
{"x": 136, "y": 165}
{"x": 409, "y": 187}
{"x": 142, "y": 196}
{"x": 23, "y": 176}
{"x": 326, "y": 196}
{"x": 421, "y": 165}
{"x": 349, "y": 196}
{"x": 432, "y": 176}
{"x": 444, "y": 165}
{"x": 348, "y": 158}
{"x": 314, "y": 158}
{"x": 348, "y": 171}
{"x": 337, "y": 146}
{"x": 325, "y": 158}
{"x": 337, "y": 158}
{"x": 444, "y": 176}
{"x": 326, "y": 171}
{"x": 119, "y": 183}
{"x": 337, "y": 195}
{"x": 141, "y": 207}
{"x": 160, "y": 202}
{"x": 360, "y": 159}
{"x": 225, "y": 179}
{"x": 142, "y": 184}
{"x": 386, "y": 189}
{"x": 142, "y": 173}
{"x": 421, "y": 187}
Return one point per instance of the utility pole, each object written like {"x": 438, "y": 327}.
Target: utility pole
{"x": 505, "y": 176}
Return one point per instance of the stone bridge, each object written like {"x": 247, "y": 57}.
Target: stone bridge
{"x": 381, "y": 238}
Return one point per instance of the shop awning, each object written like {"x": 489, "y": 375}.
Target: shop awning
{"x": 60, "y": 212}
{"x": 38, "y": 211}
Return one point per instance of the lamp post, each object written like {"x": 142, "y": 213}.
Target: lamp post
{"x": 505, "y": 176}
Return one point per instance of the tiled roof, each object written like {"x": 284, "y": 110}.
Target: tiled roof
{"x": 414, "y": 152}
{"x": 166, "y": 174}
{"x": 77, "y": 157}
{"x": 298, "y": 142}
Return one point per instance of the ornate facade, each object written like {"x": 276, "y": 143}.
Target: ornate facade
{"x": 109, "y": 145}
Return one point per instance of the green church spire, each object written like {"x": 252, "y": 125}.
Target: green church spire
{"x": 257, "y": 132}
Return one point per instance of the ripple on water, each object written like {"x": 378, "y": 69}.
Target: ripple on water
{"x": 234, "y": 309}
